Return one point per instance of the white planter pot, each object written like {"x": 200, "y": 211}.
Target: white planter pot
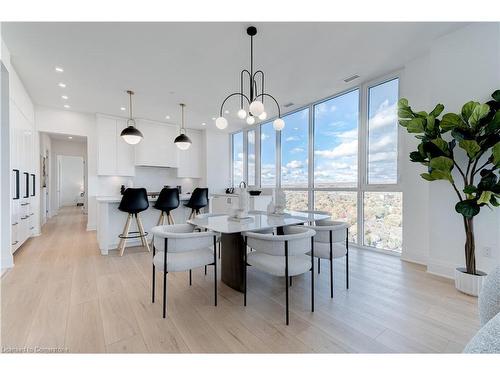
{"x": 467, "y": 283}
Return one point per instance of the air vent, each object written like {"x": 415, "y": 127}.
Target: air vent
{"x": 351, "y": 78}
{"x": 288, "y": 105}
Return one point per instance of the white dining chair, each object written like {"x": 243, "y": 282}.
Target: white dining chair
{"x": 330, "y": 242}
{"x": 178, "y": 248}
{"x": 281, "y": 255}
{"x": 204, "y": 216}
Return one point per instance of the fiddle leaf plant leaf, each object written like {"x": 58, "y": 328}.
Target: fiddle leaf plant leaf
{"x": 450, "y": 121}
{"x": 479, "y": 112}
{"x": 484, "y": 198}
{"x": 470, "y": 146}
{"x": 468, "y": 208}
{"x": 496, "y": 154}
{"x": 442, "y": 144}
{"x": 467, "y": 109}
{"x": 441, "y": 163}
{"x": 416, "y": 125}
{"x": 427, "y": 176}
{"x": 496, "y": 95}
{"x": 437, "y": 110}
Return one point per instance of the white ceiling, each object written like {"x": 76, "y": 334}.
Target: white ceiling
{"x": 199, "y": 63}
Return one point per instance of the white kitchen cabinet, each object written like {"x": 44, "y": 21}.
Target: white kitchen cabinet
{"x": 157, "y": 148}
{"x": 189, "y": 161}
{"x": 115, "y": 157}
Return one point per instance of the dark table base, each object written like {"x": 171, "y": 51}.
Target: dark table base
{"x": 233, "y": 259}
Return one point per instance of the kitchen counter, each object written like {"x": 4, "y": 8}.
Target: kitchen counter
{"x": 110, "y": 220}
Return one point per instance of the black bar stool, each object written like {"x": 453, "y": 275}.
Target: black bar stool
{"x": 133, "y": 202}
{"x": 167, "y": 201}
{"x": 198, "y": 200}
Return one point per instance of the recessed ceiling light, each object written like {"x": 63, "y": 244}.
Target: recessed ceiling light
{"x": 67, "y": 106}
{"x": 213, "y": 118}
{"x": 123, "y": 108}
{"x": 167, "y": 117}
{"x": 65, "y": 97}
{"x": 63, "y": 85}
{"x": 226, "y": 111}
{"x": 59, "y": 69}
{"x": 203, "y": 123}
{"x": 351, "y": 78}
{"x": 70, "y": 137}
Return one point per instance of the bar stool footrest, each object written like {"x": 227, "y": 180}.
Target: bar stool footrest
{"x": 136, "y": 235}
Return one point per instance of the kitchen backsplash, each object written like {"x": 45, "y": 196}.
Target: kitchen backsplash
{"x": 151, "y": 178}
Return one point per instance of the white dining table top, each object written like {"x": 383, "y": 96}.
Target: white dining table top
{"x": 258, "y": 220}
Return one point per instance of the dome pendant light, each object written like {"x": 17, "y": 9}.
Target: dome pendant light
{"x": 182, "y": 141}
{"x": 255, "y": 97}
{"x": 131, "y": 134}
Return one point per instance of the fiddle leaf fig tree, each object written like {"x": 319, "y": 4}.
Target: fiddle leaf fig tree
{"x": 463, "y": 149}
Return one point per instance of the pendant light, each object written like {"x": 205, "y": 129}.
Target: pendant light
{"x": 131, "y": 134}
{"x": 254, "y": 98}
{"x": 182, "y": 141}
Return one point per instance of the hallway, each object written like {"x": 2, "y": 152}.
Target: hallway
{"x": 62, "y": 294}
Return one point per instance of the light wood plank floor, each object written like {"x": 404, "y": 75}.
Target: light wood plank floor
{"x": 63, "y": 294}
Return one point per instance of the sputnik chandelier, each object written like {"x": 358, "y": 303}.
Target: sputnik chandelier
{"x": 254, "y": 99}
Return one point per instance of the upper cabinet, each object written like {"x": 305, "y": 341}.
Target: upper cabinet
{"x": 189, "y": 161}
{"x": 157, "y": 148}
{"x": 115, "y": 157}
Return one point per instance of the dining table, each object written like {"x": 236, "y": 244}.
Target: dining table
{"x": 232, "y": 242}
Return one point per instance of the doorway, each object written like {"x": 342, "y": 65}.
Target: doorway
{"x": 70, "y": 181}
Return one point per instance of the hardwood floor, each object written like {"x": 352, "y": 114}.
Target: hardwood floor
{"x": 63, "y": 294}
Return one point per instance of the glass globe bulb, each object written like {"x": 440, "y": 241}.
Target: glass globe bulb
{"x": 278, "y": 124}
{"x": 183, "y": 145}
{"x": 256, "y": 107}
{"x": 263, "y": 116}
{"x": 242, "y": 113}
{"x": 132, "y": 139}
{"x": 250, "y": 120}
{"x": 221, "y": 123}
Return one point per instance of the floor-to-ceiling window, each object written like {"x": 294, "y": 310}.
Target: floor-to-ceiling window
{"x": 294, "y": 176}
{"x": 237, "y": 158}
{"x": 338, "y": 155}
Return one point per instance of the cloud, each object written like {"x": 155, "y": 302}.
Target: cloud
{"x": 382, "y": 156}
{"x": 264, "y": 136}
{"x": 295, "y": 164}
{"x": 292, "y": 138}
{"x": 296, "y": 150}
{"x": 384, "y": 116}
{"x": 384, "y": 143}
{"x": 345, "y": 149}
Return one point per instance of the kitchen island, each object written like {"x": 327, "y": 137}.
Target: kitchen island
{"x": 110, "y": 220}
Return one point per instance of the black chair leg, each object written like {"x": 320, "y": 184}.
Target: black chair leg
{"x": 219, "y": 249}
{"x": 286, "y": 280}
{"x": 153, "y": 286}
{"x": 215, "y": 271}
{"x": 205, "y": 270}
{"x": 312, "y": 274}
{"x": 331, "y": 277}
{"x": 164, "y": 294}
{"x": 290, "y": 280}
{"x": 319, "y": 265}
{"x": 245, "y": 276}
{"x": 347, "y": 270}
{"x": 190, "y": 278}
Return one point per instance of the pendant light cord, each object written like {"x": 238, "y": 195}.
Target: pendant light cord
{"x": 182, "y": 131}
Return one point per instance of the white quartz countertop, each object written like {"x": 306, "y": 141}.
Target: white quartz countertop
{"x": 235, "y": 195}
{"x": 118, "y": 198}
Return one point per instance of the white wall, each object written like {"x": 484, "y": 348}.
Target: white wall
{"x": 71, "y": 179}
{"x": 218, "y": 176}
{"x": 461, "y": 66}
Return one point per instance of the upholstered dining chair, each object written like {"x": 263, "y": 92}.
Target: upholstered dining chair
{"x": 331, "y": 242}
{"x": 281, "y": 255}
{"x": 178, "y": 248}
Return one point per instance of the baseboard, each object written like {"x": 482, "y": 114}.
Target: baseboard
{"x": 442, "y": 269}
